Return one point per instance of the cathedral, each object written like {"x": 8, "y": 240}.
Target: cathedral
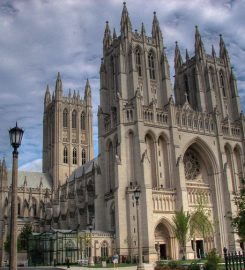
{"x": 177, "y": 143}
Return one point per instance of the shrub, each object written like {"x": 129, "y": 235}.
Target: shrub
{"x": 173, "y": 264}
{"x": 213, "y": 260}
{"x": 162, "y": 267}
{"x": 193, "y": 266}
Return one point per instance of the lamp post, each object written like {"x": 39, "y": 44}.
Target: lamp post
{"x": 15, "y": 135}
{"x": 91, "y": 261}
{"x": 140, "y": 265}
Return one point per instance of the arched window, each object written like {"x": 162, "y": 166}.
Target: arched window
{"x": 151, "y": 153}
{"x": 112, "y": 72}
{"x": 34, "y": 208}
{"x": 83, "y": 156}
{"x": 111, "y": 175}
{"x": 212, "y": 79}
{"x": 151, "y": 65}
{"x": 65, "y": 118}
{"x": 222, "y": 83}
{"x": 104, "y": 250}
{"x": 138, "y": 62}
{"x": 74, "y": 156}
{"x": 18, "y": 208}
{"x": 82, "y": 121}
{"x": 187, "y": 90}
{"x": 65, "y": 155}
{"x": 74, "y": 119}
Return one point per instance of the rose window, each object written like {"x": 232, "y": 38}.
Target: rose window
{"x": 192, "y": 165}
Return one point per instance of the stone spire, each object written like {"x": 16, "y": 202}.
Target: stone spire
{"x": 178, "y": 58}
{"x": 87, "y": 93}
{"x": 58, "y": 87}
{"x": 187, "y": 55}
{"x": 223, "y": 53}
{"x": 142, "y": 29}
{"x": 114, "y": 34}
{"x": 156, "y": 31}
{"x": 199, "y": 47}
{"x": 213, "y": 52}
{"x": 87, "y": 89}
{"x": 47, "y": 97}
{"x": 126, "y": 26}
{"x": 107, "y": 36}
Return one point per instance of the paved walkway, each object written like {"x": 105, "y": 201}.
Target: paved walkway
{"x": 147, "y": 267}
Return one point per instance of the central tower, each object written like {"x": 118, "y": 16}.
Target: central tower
{"x": 135, "y": 86}
{"x": 67, "y": 132}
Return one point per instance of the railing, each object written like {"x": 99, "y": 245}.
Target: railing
{"x": 231, "y": 131}
{"x": 159, "y": 117}
{"x": 195, "y": 194}
{"x": 164, "y": 200}
{"x": 234, "y": 260}
{"x": 200, "y": 122}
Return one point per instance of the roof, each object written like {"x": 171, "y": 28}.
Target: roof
{"x": 33, "y": 179}
{"x": 84, "y": 169}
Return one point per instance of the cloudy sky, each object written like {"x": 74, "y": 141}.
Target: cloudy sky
{"x": 38, "y": 38}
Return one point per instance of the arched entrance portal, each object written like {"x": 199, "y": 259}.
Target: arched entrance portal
{"x": 162, "y": 242}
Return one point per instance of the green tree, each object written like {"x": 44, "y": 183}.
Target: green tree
{"x": 238, "y": 222}
{"x": 23, "y": 238}
{"x": 199, "y": 221}
{"x": 181, "y": 228}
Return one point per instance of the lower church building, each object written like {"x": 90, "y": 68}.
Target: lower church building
{"x": 176, "y": 143}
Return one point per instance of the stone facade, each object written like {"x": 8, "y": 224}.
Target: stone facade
{"x": 177, "y": 149}
{"x": 67, "y": 132}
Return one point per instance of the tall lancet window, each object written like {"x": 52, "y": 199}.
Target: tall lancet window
{"x": 111, "y": 180}
{"x": 151, "y": 65}
{"x": 138, "y": 62}
{"x": 65, "y": 155}
{"x": 74, "y": 119}
{"x": 112, "y": 72}
{"x": 83, "y": 156}
{"x": 151, "y": 154}
{"x": 74, "y": 156}
{"x": 212, "y": 80}
{"x": 222, "y": 83}
{"x": 65, "y": 118}
{"x": 83, "y": 121}
{"x": 187, "y": 90}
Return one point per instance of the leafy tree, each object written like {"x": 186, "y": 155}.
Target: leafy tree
{"x": 199, "y": 221}
{"x": 181, "y": 227}
{"x": 26, "y": 231}
{"x": 238, "y": 222}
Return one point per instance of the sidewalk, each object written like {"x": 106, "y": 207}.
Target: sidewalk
{"x": 147, "y": 267}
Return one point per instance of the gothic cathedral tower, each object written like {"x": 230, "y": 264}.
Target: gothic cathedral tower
{"x": 67, "y": 132}
{"x": 174, "y": 149}
{"x": 135, "y": 87}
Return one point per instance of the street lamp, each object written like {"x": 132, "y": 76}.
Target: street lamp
{"x": 15, "y": 135}
{"x": 140, "y": 265}
{"x": 91, "y": 261}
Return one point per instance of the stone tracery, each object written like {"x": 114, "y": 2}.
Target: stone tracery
{"x": 192, "y": 165}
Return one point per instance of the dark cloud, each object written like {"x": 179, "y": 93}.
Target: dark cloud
{"x": 40, "y": 38}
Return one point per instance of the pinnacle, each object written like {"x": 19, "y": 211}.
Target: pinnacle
{"x": 114, "y": 33}
{"x": 87, "y": 82}
{"x": 142, "y": 28}
{"x": 213, "y": 51}
{"x": 187, "y": 55}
